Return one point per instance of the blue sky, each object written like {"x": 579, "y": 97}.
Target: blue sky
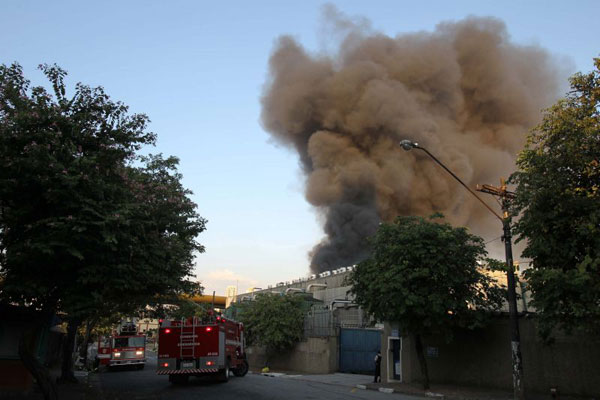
{"x": 197, "y": 69}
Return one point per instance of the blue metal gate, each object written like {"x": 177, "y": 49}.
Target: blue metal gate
{"x": 358, "y": 348}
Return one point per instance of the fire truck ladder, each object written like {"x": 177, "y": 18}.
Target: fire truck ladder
{"x": 187, "y": 339}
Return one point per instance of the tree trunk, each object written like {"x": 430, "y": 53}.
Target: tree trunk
{"x": 83, "y": 353}
{"x": 37, "y": 369}
{"x": 422, "y": 361}
{"x": 67, "y": 359}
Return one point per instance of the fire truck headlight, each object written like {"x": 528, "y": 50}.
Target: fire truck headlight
{"x": 117, "y": 354}
{"x": 139, "y": 352}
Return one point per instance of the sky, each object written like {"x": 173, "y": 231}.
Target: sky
{"x": 198, "y": 70}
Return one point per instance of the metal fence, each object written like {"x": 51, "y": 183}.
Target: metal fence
{"x": 319, "y": 323}
{"x": 323, "y": 322}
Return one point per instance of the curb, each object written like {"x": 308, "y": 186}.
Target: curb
{"x": 272, "y": 374}
{"x": 357, "y": 386}
{"x": 300, "y": 378}
{"x": 438, "y": 396}
{"x": 432, "y": 395}
{"x": 381, "y": 389}
{"x": 425, "y": 395}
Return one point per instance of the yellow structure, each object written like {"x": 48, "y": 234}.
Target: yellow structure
{"x": 220, "y": 301}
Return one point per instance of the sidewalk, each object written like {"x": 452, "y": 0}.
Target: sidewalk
{"x": 350, "y": 380}
{"x": 457, "y": 392}
{"x": 444, "y": 392}
{"x": 85, "y": 389}
{"x": 436, "y": 391}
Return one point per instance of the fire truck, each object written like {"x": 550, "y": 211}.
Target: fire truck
{"x": 209, "y": 346}
{"x": 125, "y": 347}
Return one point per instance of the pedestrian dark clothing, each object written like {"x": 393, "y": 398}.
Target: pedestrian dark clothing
{"x": 377, "y": 377}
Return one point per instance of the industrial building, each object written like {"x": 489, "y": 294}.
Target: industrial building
{"x": 338, "y": 335}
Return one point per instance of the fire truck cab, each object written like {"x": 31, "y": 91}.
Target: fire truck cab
{"x": 125, "y": 347}
{"x": 201, "y": 346}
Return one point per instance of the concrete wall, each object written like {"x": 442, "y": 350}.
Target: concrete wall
{"x": 313, "y": 356}
{"x": 483, "y": 358}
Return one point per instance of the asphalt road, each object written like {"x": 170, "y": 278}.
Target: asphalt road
{"x": 131, "y": 384}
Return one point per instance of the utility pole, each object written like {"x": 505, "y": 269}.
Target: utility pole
{"x": 505, "y": 198}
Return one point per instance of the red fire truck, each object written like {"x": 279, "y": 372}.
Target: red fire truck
{"x": 125, "y": 347}
{"x": 201, "y": 346}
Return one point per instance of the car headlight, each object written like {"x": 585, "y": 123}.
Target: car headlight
{"x": 139, "y": 352}
{"x": 117, "y": 354}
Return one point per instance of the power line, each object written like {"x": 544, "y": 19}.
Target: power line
{"x": 493, "y": 240}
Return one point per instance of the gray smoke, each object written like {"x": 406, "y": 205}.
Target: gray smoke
{"x": 464, "y": 91}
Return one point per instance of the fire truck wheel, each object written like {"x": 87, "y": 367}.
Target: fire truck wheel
{"x": 178, "y": 379}
{"x": 224, "y": 373}
{"x": 241, "y": 370}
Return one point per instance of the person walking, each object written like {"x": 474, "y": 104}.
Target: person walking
{"x": 377, "y": 377}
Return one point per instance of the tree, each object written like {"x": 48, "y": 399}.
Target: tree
{"x": 185, "y": 308}
{"x": 425, "y": 275}
{"x": 558, "y": 196}
{"x": 274, "y": 321}
{"x": 85, "y": 222}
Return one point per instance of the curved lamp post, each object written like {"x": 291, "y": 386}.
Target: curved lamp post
{"x": 517, "y": 365}
{"x": 408, "y": 145}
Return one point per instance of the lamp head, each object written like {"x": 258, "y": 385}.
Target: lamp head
{"x": 408, "y": 145}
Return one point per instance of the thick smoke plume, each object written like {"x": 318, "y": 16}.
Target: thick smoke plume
{"x": 464, "y": 91}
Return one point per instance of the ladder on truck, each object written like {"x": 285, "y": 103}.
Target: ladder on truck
{"x": 187, "y": 339}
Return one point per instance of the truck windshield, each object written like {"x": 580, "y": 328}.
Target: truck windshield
{"x": 129, "y": 342}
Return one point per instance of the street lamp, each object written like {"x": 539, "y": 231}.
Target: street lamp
{"x": 510, "y": 275}
{"x": 408, "y": 145}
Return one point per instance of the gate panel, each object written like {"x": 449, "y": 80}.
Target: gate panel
{"x": 358, "y": 348}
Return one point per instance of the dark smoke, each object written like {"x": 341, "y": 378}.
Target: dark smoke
{"x": 464, "y": 91}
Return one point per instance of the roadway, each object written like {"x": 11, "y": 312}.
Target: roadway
{"x": 128, "y": 384}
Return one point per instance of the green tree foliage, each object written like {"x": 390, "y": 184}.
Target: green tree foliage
{"x": 177, "y": 304}
{"x": 558, "y": 196}
{"x": 425, "y": 275}
{"x": 274, "y": 321}
{"x": 86, "y": 224}
{"x": 185, "y": 308}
